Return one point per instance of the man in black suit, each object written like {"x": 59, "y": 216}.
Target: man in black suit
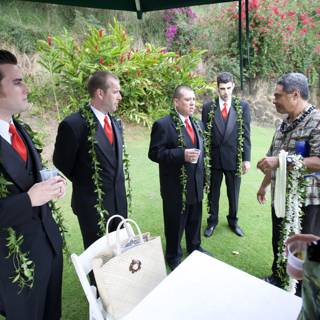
{"x": 221, "y": 117}
{"x": 174, "y": 139}
{"x": 73, "y": 155}
{"x": 24, "y": 209}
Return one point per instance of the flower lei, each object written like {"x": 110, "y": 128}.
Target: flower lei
{"x": 209, "y": 138}
{"x": 88, "y": 115}
{"x": 291, "y": 223}
{"x": 23, "y": 266}
{"x": 181, "y": 144}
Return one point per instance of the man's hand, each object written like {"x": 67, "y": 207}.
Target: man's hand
{"x": 261, "y": 195}
{"x": 42, "y": 192}
{"x": 191, "y": 155}
{"x": 245, "y": 167}
{"x": 267, "y": 164}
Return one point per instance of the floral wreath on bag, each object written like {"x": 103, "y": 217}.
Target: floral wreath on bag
{"x": 86, "y": 113}
{"x": 183, "y": 173}
{"x": 24, "y": 267}
{"x": 208, "y": 142}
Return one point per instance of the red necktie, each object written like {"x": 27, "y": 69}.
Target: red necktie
{"x": 108, "y": 129}
{"x": 17, "y": 143}
{"x": 224, "y": 112}
{"x": 190, "y": 130}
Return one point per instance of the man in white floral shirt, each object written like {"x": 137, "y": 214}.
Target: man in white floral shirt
{"x": 300, "y": 128}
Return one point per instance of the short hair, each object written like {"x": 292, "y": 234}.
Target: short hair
{"x": 177, "y": 91}
{"x": 295, "y": 81}
{"x": 224, "y": 77}
{"x": 6, "y": 57}
{"x": 98, "y": 81}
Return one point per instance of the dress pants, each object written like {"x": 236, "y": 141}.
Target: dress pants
{"x": 233, "y": 187}
{"x": 175, "y": 223}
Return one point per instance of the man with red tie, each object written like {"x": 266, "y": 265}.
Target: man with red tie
{"x": 24, "y": 211}
{"x": 227, "y": 118}
{"x": 89, "y": 138}
{"x": 177, "y": 146}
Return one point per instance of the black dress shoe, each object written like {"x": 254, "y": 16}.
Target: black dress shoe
{"x": 272, "y": 279}
{"x": 209, "y": 231}
{"x": 237, "y": 230}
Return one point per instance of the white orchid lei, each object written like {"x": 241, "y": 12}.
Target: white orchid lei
{"x": 291, "y": 223}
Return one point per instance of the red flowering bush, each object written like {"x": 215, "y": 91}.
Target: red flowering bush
{"x": 284, "y": 35}
{"x": 148, "y": 75}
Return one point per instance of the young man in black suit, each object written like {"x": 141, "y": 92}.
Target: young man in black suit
{"x": 74, "y": 154}
{"x": 222, "y": 116}
{"x": 24, "y": 209}
{"x": 174, "y": 140}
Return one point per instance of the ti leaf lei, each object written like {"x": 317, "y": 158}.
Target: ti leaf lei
{"x": 291, "y": 223}
{"x": 209, "y": 139}
{"x": 88, "y": 115}
{"x": 24, "y": 267}
{"x": 181, "y": 144}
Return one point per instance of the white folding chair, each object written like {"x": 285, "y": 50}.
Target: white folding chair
{"x": 82, "y": 265}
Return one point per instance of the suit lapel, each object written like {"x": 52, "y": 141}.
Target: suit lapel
{"x": 14, "y": 165}
{"x": 232, "y": 117}
{"x": 118, "y": 141}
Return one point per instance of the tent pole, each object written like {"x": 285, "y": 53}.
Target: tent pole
{"x": 240, "y": 45}
{"x": 248, "y": 45}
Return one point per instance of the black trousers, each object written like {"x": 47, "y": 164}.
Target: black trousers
{"x": 310, "y": 224}
{"x": 43, "y": 301}
{"x": 233, "y": 188}
{"x": 175, "y": 223}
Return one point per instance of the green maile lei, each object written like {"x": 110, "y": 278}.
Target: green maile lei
{"x": 181, "y": 144}
{"x": 23, "y": 266}
{"x": 103, "y": 213}
{"x": 208, "y": 135}
{"x": 291, "y": 223}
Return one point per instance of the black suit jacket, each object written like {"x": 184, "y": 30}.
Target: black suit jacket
{"x": 225, "y": 135}
{"x": 165, "y": 151}
{"x": 35, "y": 224}
{"x": 71, "y": 156}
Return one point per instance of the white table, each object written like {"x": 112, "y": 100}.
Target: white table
{"x": 204, "y": 288}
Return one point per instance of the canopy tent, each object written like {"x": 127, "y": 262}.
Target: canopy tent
{"x": 141, "y": 6}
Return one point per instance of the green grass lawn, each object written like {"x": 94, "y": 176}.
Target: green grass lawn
{"x": 255, "y": 252}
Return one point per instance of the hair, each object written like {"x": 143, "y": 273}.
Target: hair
{"x": 177, "y": 91}
{"x": 6, "y": 57}
{"x": 98, "y": 81}
{"x": 224, "y": 77}
{"x": 295, "y": 81}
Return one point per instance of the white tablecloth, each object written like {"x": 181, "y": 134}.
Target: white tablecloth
{"x": 204, "y": 288}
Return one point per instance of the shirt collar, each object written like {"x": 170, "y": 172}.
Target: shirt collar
{"x": 100, "y": 115}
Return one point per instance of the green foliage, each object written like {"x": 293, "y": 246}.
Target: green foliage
{"x": 148, "y": 76}
{"x": 23, "y": 267}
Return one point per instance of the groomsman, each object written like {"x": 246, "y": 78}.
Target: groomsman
{"x": 174, "y": 140}
{"x": 24, "y": 209}
{"x": 222, "y": 115}
{"x": 75, "y": 157}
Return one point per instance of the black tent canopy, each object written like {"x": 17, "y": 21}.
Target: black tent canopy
{"x": 142, "y": 6}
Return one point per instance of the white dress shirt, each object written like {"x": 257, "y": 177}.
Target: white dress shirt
{"x": 100, "y": 116}
{"x": 4, "y": 130}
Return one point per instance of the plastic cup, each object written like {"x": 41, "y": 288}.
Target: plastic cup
{"x": 198, "y": 151}
{"x": 47, "y": 174}
{"x": 296, "y": 255}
